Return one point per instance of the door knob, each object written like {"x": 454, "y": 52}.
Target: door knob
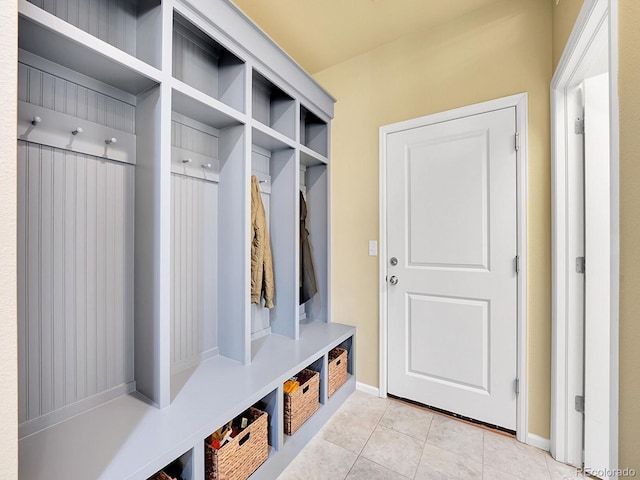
{"x": 393, "y": 280}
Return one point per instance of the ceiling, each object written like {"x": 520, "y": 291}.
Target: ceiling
{"x": 322, "y": 33}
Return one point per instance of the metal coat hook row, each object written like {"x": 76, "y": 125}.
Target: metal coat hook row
{"x": 111, "y": 140}
{"x": 36, "y": 120}
{"x": 78, "y": 131}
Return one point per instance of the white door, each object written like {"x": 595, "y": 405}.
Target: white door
{"x": 597, "y": 224}
{"x": 451, "y": 236}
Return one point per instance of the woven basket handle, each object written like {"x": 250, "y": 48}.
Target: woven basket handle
{"x": 244, "y": 439}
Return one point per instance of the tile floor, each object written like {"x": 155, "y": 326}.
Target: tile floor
{"x": 371, "y": 438}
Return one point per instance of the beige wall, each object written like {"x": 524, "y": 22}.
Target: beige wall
{"x": 629, "y": 95}
{"x": 8, "y": 196}
{"x": 499, "y": 50}
{"x": 564, "y": 17}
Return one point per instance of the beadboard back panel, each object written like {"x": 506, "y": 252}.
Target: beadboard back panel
{"x": 75, "y": 277}
{"x": 194, "y": 270}
{"x": 49, "y": 91}
{"x": 194, "y": 148}
{"x": 195, "y": 58}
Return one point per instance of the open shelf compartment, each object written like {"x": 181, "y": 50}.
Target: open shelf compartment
{"x": 272, "y": 107}
{"x": 314, "y": 132}
{"x": 53, "y": 39}
{"x": 204, "y": 64}
{"x": 275, "y": 174}
{"x": 313, "y": 186}
{"x": 133, "y": 26}
{"x": 180, "y": 469}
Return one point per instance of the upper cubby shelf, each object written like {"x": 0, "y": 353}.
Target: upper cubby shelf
{"x": 272, "y": 107}
{"x": 314, "y": 132}
{"x": 204, "y": 64}
{"x": 192, "y": 103}
{"x": 54, "y": 38}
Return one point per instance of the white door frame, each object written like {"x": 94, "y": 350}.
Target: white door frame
{"x": 582, "y": 48}
{"x": 520, "y": 102}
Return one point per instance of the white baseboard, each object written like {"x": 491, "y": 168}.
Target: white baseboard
{"x": 538, "y": 442}
{"x": 363, "y": 387}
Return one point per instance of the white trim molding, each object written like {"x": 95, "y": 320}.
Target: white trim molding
{"x": 595, "y": 32}
{"x": 520, "y": 102}
{"x": 363, "y": 387}
{"x": 538, "y": 441}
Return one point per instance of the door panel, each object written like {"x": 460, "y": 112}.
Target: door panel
{"x": 452, "y": 319}
{"x": 436, "y": 178}
{"x": 433, "y": 335}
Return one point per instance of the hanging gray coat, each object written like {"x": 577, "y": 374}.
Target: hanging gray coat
{"x": 308, "y": 284}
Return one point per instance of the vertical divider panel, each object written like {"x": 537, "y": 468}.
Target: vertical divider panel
{"x": 234, "y": 200}
{"x": 317, "y": 224}
{"x": 152, "y": 247}
{"x": 272, "y": 404}
{"x": 285, "y": 212}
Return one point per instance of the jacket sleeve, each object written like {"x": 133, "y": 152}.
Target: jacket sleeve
{"x": 257, "y": 243}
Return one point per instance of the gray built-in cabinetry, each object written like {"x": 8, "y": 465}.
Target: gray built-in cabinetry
{"x": 140, "y": 125}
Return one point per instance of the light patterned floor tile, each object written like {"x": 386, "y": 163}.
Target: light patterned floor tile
{"x": 493, "y": 474}
{"x": 457, "y": 437}
{"x": 510, "y": 456}
{"x": 365, "y": 469}
{"x": 396, "y": 451}
{"x": 348, "y": 431}
{"x": 560, "y": 471}
{"x": 437, "y": 463}
{"x": 365, "y": 406}
{"x": 322, "y": 460}
{"x": 407, "y": 419}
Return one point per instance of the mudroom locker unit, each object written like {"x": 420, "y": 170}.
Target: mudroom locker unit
{"x": 140, "y": 126}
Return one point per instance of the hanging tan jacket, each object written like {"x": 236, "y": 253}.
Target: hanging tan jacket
{"x": 262, "y": 283}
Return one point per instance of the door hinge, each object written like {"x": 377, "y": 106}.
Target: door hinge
{"x": 517, "y": 262}
{"x": 580, "y": 265}
{"x": 516, "y": 386}
{"x": 517, "y": 141}
{"x": 580, "y": 403}
{"x": 579, "y": 128}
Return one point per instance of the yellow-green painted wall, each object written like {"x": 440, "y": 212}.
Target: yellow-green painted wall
{"x": 499, "y": 50}
{"x": 629, "y": 96}
{"x": 565, "y": 13}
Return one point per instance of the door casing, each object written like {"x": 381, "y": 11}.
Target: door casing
{"x": 520, "y": 102}
{"x": 596, "y": 28}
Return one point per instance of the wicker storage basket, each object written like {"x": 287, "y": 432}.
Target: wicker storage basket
{"x": 337, "y": 369}
{"x": 161, "y": 476}
{"x": 239, "y": 458}
{"x": 301, "y": 404}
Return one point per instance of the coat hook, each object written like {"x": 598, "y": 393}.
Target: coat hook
{"x": 186, "y": 160}
{"x": 206, "y": 165}
{"x": 263, "y": 181}
{"x": 36, "y": 120}
{"x": 78, "y": 131}
{"x": 111, "y": 140}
